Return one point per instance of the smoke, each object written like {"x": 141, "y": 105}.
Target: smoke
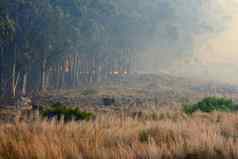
{"x": 215, "y": 57}
{"x": 168, "y": 30}
{"x": 185, "y": 37}
{"x": 189, "y": 38}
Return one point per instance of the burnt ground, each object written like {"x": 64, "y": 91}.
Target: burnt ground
{"x": 131, "y": 92}
{"x": 138, "y": 91}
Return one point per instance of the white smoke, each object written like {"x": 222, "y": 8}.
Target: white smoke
{"x": 217, "y": 57}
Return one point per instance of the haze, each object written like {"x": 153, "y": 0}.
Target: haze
{"x": 215, "y": 56}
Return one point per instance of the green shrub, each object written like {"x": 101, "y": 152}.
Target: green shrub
{"x": 211, "y": 104}
{"x": 60, "y": 111}
{"x": 189, "y": 109}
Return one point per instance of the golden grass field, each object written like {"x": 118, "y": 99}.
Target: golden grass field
{"x": 161, "y": 134}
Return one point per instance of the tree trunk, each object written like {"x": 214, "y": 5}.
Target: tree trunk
{"x": 1, "y": 71}
{"x": 15, "y": 81}
{"x": 43, "y": 75}
{"x": 77, "y": 71}
{"x": 47, "y": 80}
{"x": 58, "y": 76}
{"x": 24, "y": 84}
{"x": 14, "y": 78}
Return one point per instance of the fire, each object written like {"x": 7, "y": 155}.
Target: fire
{"x": 66, "y": 66}
{"x": 116, "y": 72}
{"x": 119, "y": 72}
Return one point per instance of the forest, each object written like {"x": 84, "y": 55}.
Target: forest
{"x": 45, "y": 44}
{"x": 59, "y": 44}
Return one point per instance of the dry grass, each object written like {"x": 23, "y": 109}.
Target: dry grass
{"x": 160, "y": 135}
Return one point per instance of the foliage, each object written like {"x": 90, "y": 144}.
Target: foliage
{"x": 60, "y": 111}
{"x": 211, "y": 104}
{"x": 7, "y": 29}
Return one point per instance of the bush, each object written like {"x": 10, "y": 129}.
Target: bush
{"x": 60, "y": 111}
{"x": 211, "y": 104}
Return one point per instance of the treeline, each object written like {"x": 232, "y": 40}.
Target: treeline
{"x": 57, "y": 44}
{"x": 54, "y": 44}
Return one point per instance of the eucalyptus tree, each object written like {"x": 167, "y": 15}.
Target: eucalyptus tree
{"x": 7, "y": 33}
{"x": 42, "y": 30}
